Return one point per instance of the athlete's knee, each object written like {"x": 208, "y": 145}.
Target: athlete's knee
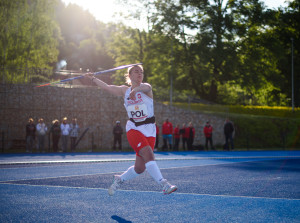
{"x": 139, "y": 170}
{"x": 147, "y": 154}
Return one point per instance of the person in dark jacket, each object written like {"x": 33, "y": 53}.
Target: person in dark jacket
{"x": 177, "y": 138}
{"x": 190, "y": 134}
{"x": 117, "y": 131}
{"x": 30, "y": 135}
{"x": 56, "y": 132}
{"x": 228, "y": 132}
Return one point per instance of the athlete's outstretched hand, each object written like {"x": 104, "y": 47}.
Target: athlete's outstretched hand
{"x": 89, "y": 75}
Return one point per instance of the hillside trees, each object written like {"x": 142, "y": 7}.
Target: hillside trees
{"x": 265, "y": 56}
{"x": 224, "y": 51}
{"x": 84, "y": 39}
{"x": 235, "y": 54}
{"x": 28, "y": 39}
{"x": 212, "y": 58}
{"x": 285, "y": 30}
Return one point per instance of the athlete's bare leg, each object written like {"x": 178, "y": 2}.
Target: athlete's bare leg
{"x": 146, "y": 155}
{"x": 143, "y": 162}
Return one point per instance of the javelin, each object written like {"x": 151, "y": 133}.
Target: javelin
{"x": 96, "y": 73}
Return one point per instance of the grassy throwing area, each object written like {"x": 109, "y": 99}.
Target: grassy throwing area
{"x": 257, "y": 127}
{"x": 281, "y": 112}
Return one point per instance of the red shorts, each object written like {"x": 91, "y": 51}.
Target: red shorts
{"x": 138, "y": 141}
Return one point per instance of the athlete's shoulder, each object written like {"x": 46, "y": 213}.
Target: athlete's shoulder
{"x": 145, "y": 83}
{"x": 124, "y": 88}
{"x": 149, "y": 92}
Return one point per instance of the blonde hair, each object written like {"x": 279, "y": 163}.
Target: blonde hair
{"x": 128, "y": 81}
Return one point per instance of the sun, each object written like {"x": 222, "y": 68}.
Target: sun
{"x": 107, "y": 11}
{"x": 103, "y": 10}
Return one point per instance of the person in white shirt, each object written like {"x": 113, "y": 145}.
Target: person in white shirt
{"x": 65, "y": 131}
{"x": 140, "y": 128}
{"x": 41, "y": 132}
{"x": 74, "y": 132}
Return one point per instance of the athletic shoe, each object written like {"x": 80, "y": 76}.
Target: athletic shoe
{"x": 116, "y": 183}
{"x": 167, "y": 187}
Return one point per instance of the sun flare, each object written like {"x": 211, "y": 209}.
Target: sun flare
{"x": 103, "y": 10}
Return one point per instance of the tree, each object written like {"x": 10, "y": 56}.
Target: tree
{"x": 264, "y": 54}
{"x": 285, "y": 25}
{"x": 208, "y": 58}
{"x": 28, "y": 38}
{"x": 126, "y": 47}
{"x": 236, "y": 46}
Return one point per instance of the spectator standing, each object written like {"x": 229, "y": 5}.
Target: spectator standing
{"x": 65, "y": 131}
{"x": 190, "y": 133}
{"x": 228, "y": 132}
{"x": 56, "y": 132}
{"x": 208, "y": 129}
{"x": 183, "y": 137}
{"x": 74, "y": 133}
{"x": 186, "y": 136}
{"x": 167, "y": 131}
{"x": 117, "y": 131}
{"x": 30, "y": 135}
{"x": 41, "y": 129}
{"x": 157, "y": 138}
{"x": 176, "y": 137}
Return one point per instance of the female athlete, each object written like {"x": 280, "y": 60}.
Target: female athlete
{"x": 140, "y": 128}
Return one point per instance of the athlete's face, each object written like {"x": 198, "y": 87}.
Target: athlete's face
{"x": 136, "y": 75}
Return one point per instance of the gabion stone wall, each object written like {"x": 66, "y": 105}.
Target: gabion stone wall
{"x": 93, "y": 108}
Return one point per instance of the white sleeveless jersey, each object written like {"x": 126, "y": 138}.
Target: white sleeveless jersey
{"x": 139, "y": 110}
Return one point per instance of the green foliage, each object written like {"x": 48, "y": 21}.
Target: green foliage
{"x": 239, "y": 44}
{"x": 126, "y": 46}
{"x": 226, "y": 52}
{"x": 28, "y": 37}
{"x": 232, "y": 93}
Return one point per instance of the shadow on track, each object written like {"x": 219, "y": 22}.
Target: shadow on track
{"x": 119, "y": 219}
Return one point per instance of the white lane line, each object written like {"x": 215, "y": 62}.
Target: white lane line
{"x": 158, "y": 192}
{"x": 133, "y": 159}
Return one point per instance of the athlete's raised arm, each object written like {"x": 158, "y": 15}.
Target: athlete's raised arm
{"x": 112, "y": 89}
{"x": 143, "y": 87}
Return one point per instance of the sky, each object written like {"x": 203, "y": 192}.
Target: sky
{"x": 104, "y": 10}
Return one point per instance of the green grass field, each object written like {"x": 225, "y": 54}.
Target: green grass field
{"x": 279, "y": 112}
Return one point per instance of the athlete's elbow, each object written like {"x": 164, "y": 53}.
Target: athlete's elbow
{"x": 148, "y": 88}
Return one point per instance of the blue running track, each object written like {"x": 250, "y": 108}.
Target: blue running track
{"x": 212, "y": 187}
